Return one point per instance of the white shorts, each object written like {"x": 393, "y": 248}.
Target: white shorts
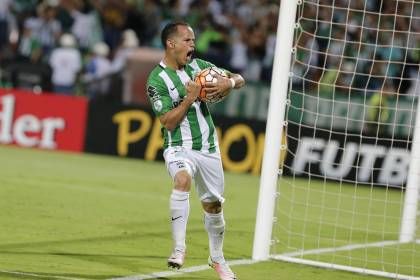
{"x": 206, "y": 170}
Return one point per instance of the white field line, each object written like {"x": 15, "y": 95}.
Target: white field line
{"x": 345, "y": 268}
{"x": 284, "y": 257}
{"x": 155, "y": 275}
{"x": 342, "y": 248}
{"x": 293, "y": 257}
{"x": 20, "y": 274}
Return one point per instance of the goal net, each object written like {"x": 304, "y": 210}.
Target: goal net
{"x": 348, "y": 192}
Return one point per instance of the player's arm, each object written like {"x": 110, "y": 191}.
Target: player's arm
{"x": 239, "y": 81}
{"x": 224, "y": 84}
{"x": 171, "y": 119}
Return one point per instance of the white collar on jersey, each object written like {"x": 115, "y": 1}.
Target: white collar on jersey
{"x": 163, "y": 65}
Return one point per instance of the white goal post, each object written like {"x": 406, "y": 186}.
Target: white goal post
{"x": 358, "y": 167}
{"x": 274, "y": 131}
{"x": 412, "y": 193}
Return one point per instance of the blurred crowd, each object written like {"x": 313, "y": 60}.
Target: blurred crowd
{"x": 359, "y": 46}
{"x": 89, "y": 39}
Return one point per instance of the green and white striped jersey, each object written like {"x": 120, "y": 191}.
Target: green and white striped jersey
{"x": 166, "y": 90}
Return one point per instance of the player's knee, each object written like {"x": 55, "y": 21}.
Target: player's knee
{"x": 183, "y": 181}
{"x": 212, "y": 207}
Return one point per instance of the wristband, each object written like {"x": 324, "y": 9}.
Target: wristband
{"x": 232, "y": 81}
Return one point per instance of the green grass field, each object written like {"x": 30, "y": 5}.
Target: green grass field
{"x": 72, "y": 216}
{"x": 316, "y": 215}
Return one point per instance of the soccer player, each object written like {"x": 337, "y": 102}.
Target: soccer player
{"x": 191, "y": 148}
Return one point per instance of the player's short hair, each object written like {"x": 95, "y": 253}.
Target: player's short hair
{"x": 170, "y": 29}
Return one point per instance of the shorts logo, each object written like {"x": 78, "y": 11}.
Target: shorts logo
{"x": 179, "y": 164}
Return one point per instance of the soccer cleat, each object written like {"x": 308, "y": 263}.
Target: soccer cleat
{"x": 223, "y": 270}
{"x": 176, "y": 259}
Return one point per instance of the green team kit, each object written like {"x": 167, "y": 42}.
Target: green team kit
{"x": 166, "y": 90}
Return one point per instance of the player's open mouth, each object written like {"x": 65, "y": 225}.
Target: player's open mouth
{"x": 189, "y": 54}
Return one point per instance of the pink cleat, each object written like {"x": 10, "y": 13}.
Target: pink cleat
{"x": 223, "y": 270}
{"x": 176, "y": 259}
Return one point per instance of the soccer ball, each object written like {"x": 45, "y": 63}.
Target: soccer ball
{"x": 208, "y": 75}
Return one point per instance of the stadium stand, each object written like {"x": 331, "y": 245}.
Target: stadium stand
{"x": 239, "y": 35}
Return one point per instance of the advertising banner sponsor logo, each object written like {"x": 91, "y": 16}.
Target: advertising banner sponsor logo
{"x": 43, "y": 121}
{"x": 347, "y": 157}
{"x": 133, "y": 131}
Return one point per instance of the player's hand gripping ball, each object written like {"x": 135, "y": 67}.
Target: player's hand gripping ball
{"x": 209, "y": 75}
